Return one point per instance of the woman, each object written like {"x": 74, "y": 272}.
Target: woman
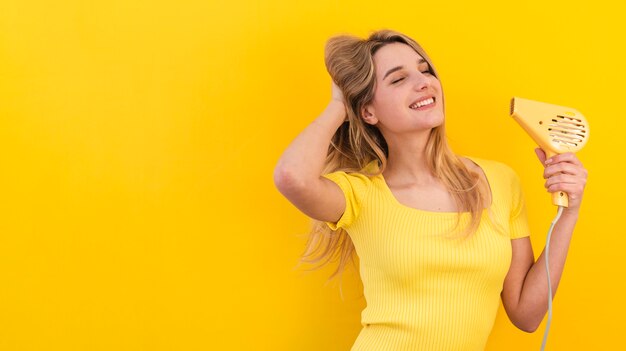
{"x": 439, "y": 237}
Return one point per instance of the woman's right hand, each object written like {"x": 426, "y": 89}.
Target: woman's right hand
{"x": 336, "y": 93}
{"x": 337, "y": 96}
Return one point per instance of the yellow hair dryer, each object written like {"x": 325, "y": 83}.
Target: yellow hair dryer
{"x": 556, "y": 129}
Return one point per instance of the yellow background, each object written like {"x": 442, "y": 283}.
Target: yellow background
{"x": 138, "y": 141}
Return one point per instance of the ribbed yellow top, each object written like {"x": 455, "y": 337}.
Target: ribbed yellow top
{"x": 425, "y": 291}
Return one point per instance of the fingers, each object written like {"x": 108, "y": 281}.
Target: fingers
{"x": 565, "y": 182}
{"x": 336, "y": 92}
{"x": 566, "y": 163}
{"x": 565, "y": 168}
{"x": 565, "y": 173}
{"x": 566, "y": 157}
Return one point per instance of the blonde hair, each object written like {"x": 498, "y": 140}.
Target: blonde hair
{"x": 349, "y": 61}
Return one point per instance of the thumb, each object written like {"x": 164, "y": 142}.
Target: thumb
{"x": 541, "y": 155}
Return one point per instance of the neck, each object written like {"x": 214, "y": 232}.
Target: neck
{"x": 407, "y": 162}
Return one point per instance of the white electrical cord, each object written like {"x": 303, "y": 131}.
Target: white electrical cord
{"x": 547, "y": 252}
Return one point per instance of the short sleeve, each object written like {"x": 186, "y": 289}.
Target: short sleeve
{"x": 354, "y": 187}
{"x": 518, "y": 223}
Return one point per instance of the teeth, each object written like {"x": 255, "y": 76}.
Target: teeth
{"x": 423, "y": 103}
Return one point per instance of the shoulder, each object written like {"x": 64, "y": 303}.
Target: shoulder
{"x": 489, "y": 167}
{"x": 355, "y": 186}
{"x": 352, "y": 178}
{"x": 500, "y": 176}
{"x": 371, "y": 170}
{"x": 354, "y": 181}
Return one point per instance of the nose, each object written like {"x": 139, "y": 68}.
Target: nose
{"x": 421, "y": 81}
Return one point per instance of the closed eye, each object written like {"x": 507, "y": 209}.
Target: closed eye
{"x": 397, "y": 80}
{"x": 426, "y": 68}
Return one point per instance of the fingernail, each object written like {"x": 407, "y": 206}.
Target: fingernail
{"x": 548, "y": 161}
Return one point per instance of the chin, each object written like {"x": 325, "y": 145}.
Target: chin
{"x": 436, "y": 119}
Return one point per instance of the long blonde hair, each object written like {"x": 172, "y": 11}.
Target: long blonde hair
{"x": 349, "y": 61}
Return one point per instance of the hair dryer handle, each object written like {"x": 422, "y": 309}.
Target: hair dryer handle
{"x": 559, "y": 198}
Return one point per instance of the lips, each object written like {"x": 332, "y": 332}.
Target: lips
{"x": 422, "y": 102}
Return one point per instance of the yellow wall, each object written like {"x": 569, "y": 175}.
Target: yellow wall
{"x": 138, "y": 141}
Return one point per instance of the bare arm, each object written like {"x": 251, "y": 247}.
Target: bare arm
{"x": 525, "y": 292}
{"x": 298, "y": 174}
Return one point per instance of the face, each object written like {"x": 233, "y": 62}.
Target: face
{"x": 407, "y": 96}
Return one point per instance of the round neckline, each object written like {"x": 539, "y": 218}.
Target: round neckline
{"x": 398, "y": 203}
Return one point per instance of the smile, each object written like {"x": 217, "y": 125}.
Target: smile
{"x": 419, "y": 104}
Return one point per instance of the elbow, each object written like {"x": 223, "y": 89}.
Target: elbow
{"x": 286, "y": 181}
{"x": 528, "y": 328}
{"x": 527, "y": 325}
{"x": 523, "y": 321}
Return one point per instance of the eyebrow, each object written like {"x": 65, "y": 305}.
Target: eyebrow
{"x": 401, "y": 67}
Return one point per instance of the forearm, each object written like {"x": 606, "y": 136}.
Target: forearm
{"x": 304, "y": 159}
{"x": 533, "y": 302}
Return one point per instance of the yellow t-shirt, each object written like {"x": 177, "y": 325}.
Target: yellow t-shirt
{"x": 424, "y": 291}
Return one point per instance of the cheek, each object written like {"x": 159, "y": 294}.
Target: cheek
{"x": 378, "y": 103}
{"x": 386, "y": 107}
{"x": 436, "y": 83}
{"x": 385, "y": 100}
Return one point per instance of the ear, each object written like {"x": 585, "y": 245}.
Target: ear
{"x": 367, "y": 113}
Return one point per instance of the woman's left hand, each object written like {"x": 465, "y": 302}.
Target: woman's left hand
{"x": 564, "y": 172}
